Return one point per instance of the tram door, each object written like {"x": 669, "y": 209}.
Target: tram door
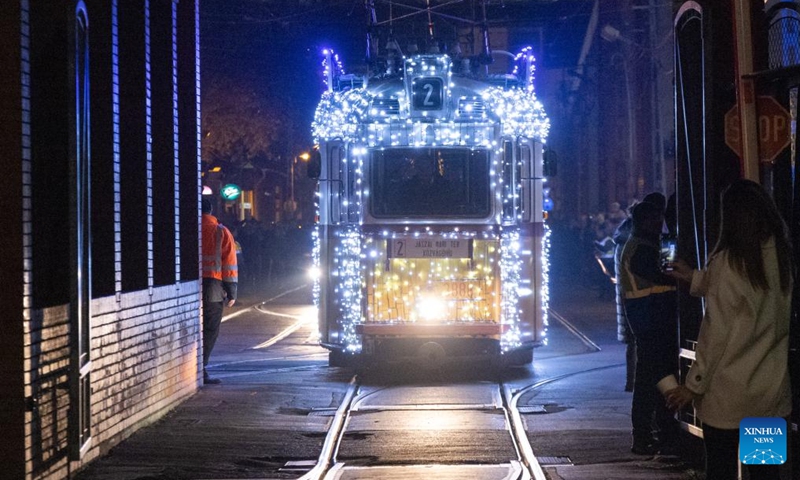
{"x": 331, "y": 189}
{"x": 80, "y": 302}
{"x": 692, "y": 184}
{"x": 338, "y": 224}
{"x": 705, "y": 165}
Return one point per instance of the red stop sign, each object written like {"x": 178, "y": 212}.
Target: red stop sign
{"x": 773, "y": 129}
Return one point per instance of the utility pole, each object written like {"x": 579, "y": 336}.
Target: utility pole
{"x": 745, "y": 90}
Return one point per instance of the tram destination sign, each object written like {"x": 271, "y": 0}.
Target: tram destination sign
{"x": 430, "y": 247}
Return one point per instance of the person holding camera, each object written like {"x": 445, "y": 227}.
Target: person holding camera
{"x": 624, "y": 334}
{"x": 741, "y": 366}
{"x": 650, "y": 301}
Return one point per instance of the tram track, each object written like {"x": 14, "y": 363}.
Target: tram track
{"x": 300, "y": 321}
{"x": 355, "y": 401}
{"x": 255, "y": 305}
{"x": 575, "y": 331}
{"x": 283, "y": 334}
{"x": 526, "y": 465}
{"x": 521, "y": 463}
{"x": 333, "y": 437}
{"x": 272, "y": 371}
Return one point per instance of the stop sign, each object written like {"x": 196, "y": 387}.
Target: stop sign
{"x": 773, "y": 129}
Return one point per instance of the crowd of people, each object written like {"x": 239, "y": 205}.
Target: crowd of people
{"x": 584, "y": 243}
{"x": 268, "y": 252}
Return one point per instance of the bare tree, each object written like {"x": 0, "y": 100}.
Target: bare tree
{"x": 240, "y": 124}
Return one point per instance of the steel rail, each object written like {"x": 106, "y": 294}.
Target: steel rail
{"x": 310, "y": 356}
{"x": 519, "y": 427}
{"x": 574, "y": 330}
{"x": 257, "y": 304}
{"x": 280, "y": 336}
{"x": 334, "y": 436}
{"x": 521, "y": 442}
{"x": 269, "y": 371}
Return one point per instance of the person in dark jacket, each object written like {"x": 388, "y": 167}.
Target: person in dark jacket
{"x": 624, "y": 333}
{"x": 650, "y": 301}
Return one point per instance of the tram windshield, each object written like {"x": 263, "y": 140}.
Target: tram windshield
{"x": 430, "y": 182}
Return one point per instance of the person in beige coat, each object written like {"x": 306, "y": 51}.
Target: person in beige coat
{"x": 741, "y": 366}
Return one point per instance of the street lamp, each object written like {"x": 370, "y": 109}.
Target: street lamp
{"x": 611, "y": 34}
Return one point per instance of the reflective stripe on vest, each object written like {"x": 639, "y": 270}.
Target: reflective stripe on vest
{"x": 645, "y": 292}
{"x": 213, "y": 265}
{"x": 229, "y": 272}
{"x": 633, "y": 285}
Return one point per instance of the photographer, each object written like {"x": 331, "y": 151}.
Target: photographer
{"x": 650, "y": 302}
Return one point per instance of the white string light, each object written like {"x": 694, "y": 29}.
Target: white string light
{"x": 405, "y": 289}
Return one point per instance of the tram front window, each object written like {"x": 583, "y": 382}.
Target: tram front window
{"x": 430, "y": 182}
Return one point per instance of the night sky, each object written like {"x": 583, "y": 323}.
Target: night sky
{"x": 277, "y": 49}
{"x": 276, "y": 44}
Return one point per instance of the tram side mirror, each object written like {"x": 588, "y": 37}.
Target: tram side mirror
{"x": 315, "y": 164}
{"x": 550, "y": 163}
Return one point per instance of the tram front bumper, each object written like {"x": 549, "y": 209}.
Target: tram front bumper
{"x": 431, "y": 330}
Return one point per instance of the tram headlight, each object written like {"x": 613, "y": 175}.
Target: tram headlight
{"x": 524, "y": 291}
{"x": 430, "y": 308}
{"x": 314, "y": 273}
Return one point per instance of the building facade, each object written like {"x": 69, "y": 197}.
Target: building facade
{"x": 99, "y": 108}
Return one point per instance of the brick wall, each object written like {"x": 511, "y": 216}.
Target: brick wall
{"x": 144, "y": 345}
{"x": 47, "y": 390}
{"x": 11, "y": 246}
{"x": 146, "y": 350}
{"x": 147, "y": 359}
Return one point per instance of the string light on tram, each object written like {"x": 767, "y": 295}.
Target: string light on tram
{"x": 359, "y": 117}
{"x": 328, "y": 71}
{"x": 349, "y": 293}
{"x": 510, "y": 267}
{"x": 545, "y": 293}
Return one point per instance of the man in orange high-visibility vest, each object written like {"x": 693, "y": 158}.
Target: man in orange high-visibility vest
{"x": 220, "y": 279}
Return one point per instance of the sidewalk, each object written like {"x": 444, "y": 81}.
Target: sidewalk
{"x": 232, "y": 430}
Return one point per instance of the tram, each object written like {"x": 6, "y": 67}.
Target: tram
{"x": 431, "y": 238}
